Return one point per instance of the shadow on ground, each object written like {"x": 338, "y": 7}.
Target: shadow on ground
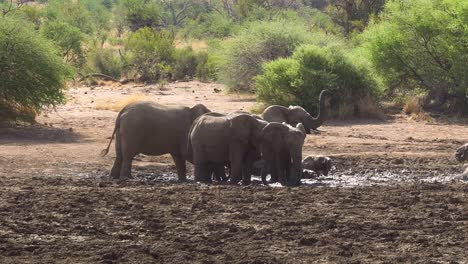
{"x": 37, "y": 132}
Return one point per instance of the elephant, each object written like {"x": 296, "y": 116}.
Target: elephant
{"x": 281, "y": 149}
{"x": 152, "y": 129}
{"x": 296, "y": 114}
{"x": 319, "y": 164}
{"x": 216, "y": 139}
{"x": 461, "y": 154}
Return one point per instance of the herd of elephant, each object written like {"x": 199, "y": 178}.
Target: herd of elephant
{"x": 212, "y": 141}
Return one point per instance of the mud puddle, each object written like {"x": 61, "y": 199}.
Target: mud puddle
{"x": 338, "y": 179}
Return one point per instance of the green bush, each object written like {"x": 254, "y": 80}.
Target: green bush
{"x": 150, "y": 53}
{"x": 32, "y": 72}
{"x": 262, "y": 42}
{"x": 185, "y": 64}
{"x": 68, "y": 38}
{"x": 423, "y": 44}
{"x": 105, "y": 61}
{"x": 207, "y": 68}
{"x": 300, "y": 79}
{"x": 210, "y": 25}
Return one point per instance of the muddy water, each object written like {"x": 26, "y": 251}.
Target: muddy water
{"x": 341, "y": 179}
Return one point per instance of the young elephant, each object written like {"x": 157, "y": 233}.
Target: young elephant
{"x": 216, "y": 139}
{"x": 281, "y": 149}
{"x": 152, "y": 129}
{"x": 319, "y": 164}
{"x": 462, "y": 153}
{"x": 293, "y": 115}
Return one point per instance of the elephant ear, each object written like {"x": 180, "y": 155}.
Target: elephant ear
{"x": 301, "y": 128}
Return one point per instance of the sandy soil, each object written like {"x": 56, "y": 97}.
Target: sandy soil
{"x": 394, "y": 194}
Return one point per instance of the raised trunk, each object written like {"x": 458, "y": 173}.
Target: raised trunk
{"x": 321, "y": 114}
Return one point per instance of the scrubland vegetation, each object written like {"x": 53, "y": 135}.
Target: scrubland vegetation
{"x": 284, "y": 51}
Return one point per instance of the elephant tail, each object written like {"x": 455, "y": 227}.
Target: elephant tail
{"x": 117, "y": 124}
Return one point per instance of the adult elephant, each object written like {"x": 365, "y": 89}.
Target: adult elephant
{"x": 281, "y": 149}
{"x": 293, "y": 115}
{"x": 217, "y": 139}
{"x": 152, "y": 129}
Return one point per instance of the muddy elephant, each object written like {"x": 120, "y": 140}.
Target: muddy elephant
{"x": 152, "y": 129}
{"x": 461, "y": 154}
{"x": 293, "y": 115}
{"x": 281, "y": 149}
{"x": 216, "y": 140}
{"x": 319, "y": 164}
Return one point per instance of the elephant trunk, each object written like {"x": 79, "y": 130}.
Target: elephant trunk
{"x": 295, "y": 173}
{"x": 315, "y": 122}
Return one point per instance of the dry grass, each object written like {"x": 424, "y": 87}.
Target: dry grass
{"x": 118, "y": 105}
{"x": 13, "y": 111}
{"x": 195, "y": 44}
{"x": 414, "y": 109}
{"x": 412, "y": 106}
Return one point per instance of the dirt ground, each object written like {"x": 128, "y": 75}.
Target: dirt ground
{"x": 394, "y": 195}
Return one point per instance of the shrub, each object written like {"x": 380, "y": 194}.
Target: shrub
{"x": 185, "y": 64}
{"x": 412, "y": 105}
{"x": 207, "y": 67}
{"x": 300, "y": 79}
{"x": 422, "y": 44}
{"x": 68, "y": 38}
{"x": 32, "y": 73}
{"x": 209, "y": 25}
{"x": 150, "y": 53}
{"x": 258, "y": 43}
{"x": 105, "y": 61}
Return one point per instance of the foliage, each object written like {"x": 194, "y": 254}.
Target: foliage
{"x": 68, "y": 38}
{"x": 73, "y": 13}
{"x": 185, "y": 64}
{"x": 300, "y": 79}
{"x": 106, "y": 61}
{"x": 354, "y": 15}
{"x": 423, "y": 44}
{"x": 210, "y": 25}
{"x": 207, "y": 68}
{"x": 150, "y": 53}
{"x": 142, "y": 13}
{"x": 32, "y": 74}
{"x": 255, "y": 44}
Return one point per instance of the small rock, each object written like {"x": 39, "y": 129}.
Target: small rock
{"x": 398, "y": 161}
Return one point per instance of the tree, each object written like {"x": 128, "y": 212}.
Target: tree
{"x": 68, "y": 38}
{"x": 32, "y": 73}
{"x": 424, "y": 44}
{"x": 354, "y": 14}
{"x": 150, "y": 53}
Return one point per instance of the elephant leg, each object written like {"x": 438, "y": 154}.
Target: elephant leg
{"x": 247, "y": 167}
{"x": 235, "y": 155}
{"x": 181, "y": 167}
{"x": 126, "y": 170}
{"x": 115, "y": 171}
{"x": 284, "y": 173}
{"x": 202, "y": 172}
{"x": 127, "y": 158}
{"x": 219, "y": 172}
{"x": 264, "y": 172}
{"x": 275, "y": 169}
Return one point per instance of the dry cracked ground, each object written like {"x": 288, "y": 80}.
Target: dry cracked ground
{"x": 394, "y": 194}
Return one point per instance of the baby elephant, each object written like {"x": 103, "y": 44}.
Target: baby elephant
{"x": 462, "y": 153}
{"x": 319, "y": 164}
